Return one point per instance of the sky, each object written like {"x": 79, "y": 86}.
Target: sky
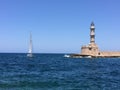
{"x": 58, "y": 26}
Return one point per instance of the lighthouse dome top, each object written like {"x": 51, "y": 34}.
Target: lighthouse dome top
{"x": 92, "y": 24}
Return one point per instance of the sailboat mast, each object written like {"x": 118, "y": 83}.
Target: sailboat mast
{"x": 30, "y": 46}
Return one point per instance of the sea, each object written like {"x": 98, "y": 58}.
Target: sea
{"x": 55, "y": 72}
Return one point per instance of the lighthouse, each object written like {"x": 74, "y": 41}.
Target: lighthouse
{"x": 92, "y": 33}
{"x": 91, "y": 49}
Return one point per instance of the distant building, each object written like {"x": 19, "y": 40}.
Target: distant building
{"x": 92, "y": 50}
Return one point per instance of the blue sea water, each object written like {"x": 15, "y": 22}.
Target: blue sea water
{"x": 54, "y": 72}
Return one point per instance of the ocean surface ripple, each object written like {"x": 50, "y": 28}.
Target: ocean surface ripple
{"x": 54, "y": 72}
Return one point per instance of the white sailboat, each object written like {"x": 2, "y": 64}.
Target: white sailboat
{"x": 30, "y": 47}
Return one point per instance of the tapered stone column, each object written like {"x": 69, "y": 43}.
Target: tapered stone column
{"x": 92, "y": 33}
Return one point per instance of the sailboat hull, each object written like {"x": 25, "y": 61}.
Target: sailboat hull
{"x": 29, "y": 55}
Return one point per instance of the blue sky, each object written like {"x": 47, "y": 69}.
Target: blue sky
{"x": 58, "y": 26}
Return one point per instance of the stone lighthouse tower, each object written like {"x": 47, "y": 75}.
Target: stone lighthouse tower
{"x": 92, "y": 33}
{"x": 91, "y": 49}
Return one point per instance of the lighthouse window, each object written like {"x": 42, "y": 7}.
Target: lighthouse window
{"x": 99, "y": 53}
{"x": 90, "y": 48}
